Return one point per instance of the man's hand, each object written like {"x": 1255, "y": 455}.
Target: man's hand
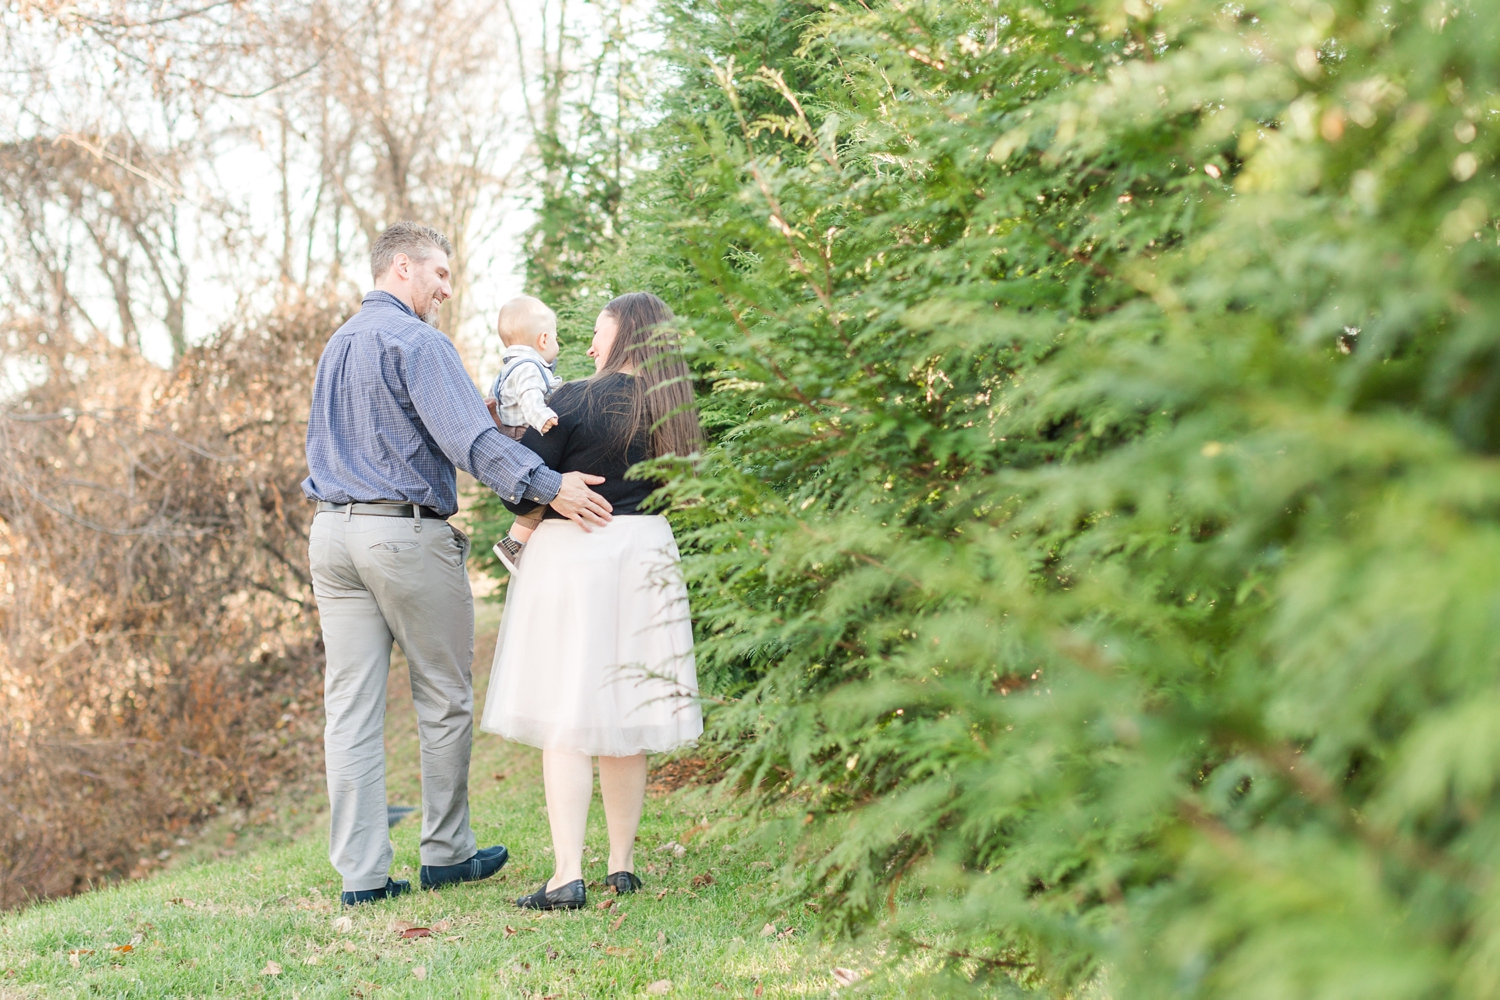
{"x": 579, "y": 504}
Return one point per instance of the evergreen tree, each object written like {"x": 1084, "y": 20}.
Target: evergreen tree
{"x": 1100, "y": 530}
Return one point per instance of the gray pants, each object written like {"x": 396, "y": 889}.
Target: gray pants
{"x": 377, "y": 579}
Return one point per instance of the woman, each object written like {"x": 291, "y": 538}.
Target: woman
{"x": 595, "y": 655}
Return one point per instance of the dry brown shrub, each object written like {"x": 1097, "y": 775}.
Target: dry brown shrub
{"x": 161, "y": 659}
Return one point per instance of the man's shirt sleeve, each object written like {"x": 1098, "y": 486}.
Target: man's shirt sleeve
{"x": 451, "y": 410}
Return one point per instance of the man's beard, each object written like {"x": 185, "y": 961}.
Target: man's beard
{"x": 430, "y": 317}
{"x": 426, "y": 306}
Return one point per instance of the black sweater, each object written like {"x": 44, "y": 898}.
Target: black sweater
{"x": 592, "y": 418}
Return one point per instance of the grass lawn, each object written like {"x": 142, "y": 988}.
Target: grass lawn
{"x": 268, "y": 921}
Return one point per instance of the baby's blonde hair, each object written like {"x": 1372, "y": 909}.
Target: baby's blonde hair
{"x": 525, "y": 318}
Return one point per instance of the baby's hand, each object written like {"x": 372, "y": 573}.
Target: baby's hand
{"x": 493, "y": 405}
{"x": 551, "y": 423}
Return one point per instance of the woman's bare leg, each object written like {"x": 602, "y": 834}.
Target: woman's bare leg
{"x": 622, "y": 781}
{"x": 569, "y": 780}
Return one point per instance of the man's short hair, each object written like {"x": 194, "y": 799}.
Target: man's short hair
{"x": 413, "y": 239}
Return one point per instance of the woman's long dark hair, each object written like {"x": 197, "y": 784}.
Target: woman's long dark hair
{"x": 648, "y": 347}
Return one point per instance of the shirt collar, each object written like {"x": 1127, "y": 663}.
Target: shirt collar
{"x": 386, "y": 297}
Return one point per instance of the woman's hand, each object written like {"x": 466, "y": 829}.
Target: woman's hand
{"x": 579, "y": 504}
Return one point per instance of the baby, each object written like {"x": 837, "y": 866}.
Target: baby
{"x": 528, "y": 329}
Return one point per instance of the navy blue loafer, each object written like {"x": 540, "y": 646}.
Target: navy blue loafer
{"x": 482, "y": 865}
{"x": 390, "y": 890}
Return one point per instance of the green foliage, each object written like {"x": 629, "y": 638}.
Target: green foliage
{"x": 1100, "y": 534}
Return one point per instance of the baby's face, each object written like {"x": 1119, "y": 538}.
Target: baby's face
{"x": 547, "y": 346}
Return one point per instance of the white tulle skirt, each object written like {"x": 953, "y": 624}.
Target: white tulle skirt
{"x": 595, "y": 653}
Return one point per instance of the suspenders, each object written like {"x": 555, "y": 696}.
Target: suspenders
{"x": 513, "y": 365}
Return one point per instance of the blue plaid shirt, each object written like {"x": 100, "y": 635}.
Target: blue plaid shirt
{"x": 393, "y": 411}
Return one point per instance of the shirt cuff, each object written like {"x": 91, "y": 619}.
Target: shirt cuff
{"x": 543, "y": 486}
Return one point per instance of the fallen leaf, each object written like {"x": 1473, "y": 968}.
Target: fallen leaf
{"x": 661, "y": 937}
{"x": 668, "y": 848}
{"x": 699, "y": 881}
{"x": 786, "y": 933}
{"x": 606, "y": 904}
{"x": 311, "y": 960}
{"x": 416, "y": 932}
{"x": 271, "y": 969}
{"x": 510, "y": 931}
{"x": 662, "y": 895}
{"x": 679, "y": 851}
{"x": 122, "y": 949}
{"x": 349, "y": 947}
{"x": 618, "y": 921}
{"x": 766, "y": 865}
{"x": 845, "y": 977}
{"x": 660, "y": 988}
{"x": 398, "y": 926}
{"x": 551, "y": 953}
{"x": 759, "y": 989}
{"x": 621, "y": 952}
{"x": 441, "y": 926}
{"x": 768, "y": 930}
{"x": 73, "y": 955}
{"x": 500, "y": 777}
{"x": 343, "y": 925}
{"x": 419, "y": 971}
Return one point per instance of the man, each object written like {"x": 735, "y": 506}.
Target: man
{"x": 393, "y": 412}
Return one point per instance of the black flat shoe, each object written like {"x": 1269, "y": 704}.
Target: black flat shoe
{"x": 622, "y": 882}
{"x": 482, "y": 865}
{"x": 572, "y": 896}
{"x": 390, "y": 890}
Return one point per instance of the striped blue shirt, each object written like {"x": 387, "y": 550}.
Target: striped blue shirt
{"x": 394, "y": 410}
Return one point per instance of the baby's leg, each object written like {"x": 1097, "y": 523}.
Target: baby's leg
{"x": 525, "y": 524}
